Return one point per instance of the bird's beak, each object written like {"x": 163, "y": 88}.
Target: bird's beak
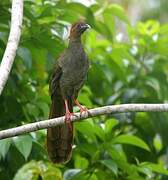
{"x": 85, "y": 26}
{"x": 88, "y": 26}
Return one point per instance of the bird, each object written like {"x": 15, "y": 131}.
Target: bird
{"x": 68, "y": 77}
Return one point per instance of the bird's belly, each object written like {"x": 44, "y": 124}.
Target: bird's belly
{"x": 75, "y": 72}
{"x": 72, "y": 80}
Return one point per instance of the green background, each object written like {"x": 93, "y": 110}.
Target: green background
{"x": 129, "y": 64}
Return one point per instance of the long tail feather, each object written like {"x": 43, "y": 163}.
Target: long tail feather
{"x": 60, "y": 138}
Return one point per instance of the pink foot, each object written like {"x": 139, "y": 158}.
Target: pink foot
{"x": 68, "y": 117}
{"x": 83, "y": 109}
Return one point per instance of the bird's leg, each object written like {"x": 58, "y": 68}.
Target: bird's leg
{"x": 68, "y": 114}
{"x": 82, "y": 109}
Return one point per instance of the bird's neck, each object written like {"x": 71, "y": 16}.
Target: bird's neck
{"x": 74, "y": 41}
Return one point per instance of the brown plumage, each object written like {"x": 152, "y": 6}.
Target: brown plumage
{"x": 68, "y": 76}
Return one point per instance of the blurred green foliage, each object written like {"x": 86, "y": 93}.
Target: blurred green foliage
{"x": 130, "y": 70}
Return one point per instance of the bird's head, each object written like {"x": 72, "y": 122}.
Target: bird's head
{"x": 77, "y": 29}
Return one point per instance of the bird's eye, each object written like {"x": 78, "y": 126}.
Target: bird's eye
{"x": 79, "y": 26}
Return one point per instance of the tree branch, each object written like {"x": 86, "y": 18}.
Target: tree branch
{"x": 92, "y": 113}
{"x": 13, "y": 41}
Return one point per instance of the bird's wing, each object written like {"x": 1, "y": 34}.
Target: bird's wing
{"x": 54, "y": 81}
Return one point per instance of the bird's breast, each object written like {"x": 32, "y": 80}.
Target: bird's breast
{"x": 75, "y": 70}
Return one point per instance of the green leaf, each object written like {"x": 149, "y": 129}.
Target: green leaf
{"x": 164, "y": 29}
{"x": 26, "y": 56}
{"x": 23, "y": 144}
{"x": 46, "y": 20}
{"x": 87, "y": 148}
{"x": 70, "y": 173}
{"x": 148, "y": 172}
{"x": 84, "y": 99}
{"x": 103, "y": 29}
{"x": 81, "y": 162}
{"x": 74, "y": 11}
{"x": 132, "y": 140}
{"x": 38, "y": 170}
{"x": 4, "y": 146}
{"x": 148, "y": 28}
{"x": 111, "y": 165}
{"x": 109, "y": 124}
{"x": 111, "y": 23}
{"x": 75, "y": 174}
{"x": 78, "y": 7}
{"x": 92, "y": 177}
{"x": 28, "y": 171}
{"x": 117, "y": 68}
{"x": 157, "y": 142}
{"x": 154, "y": 83}
{"x": 117, "y": 11}
{"x": 3, "y": 37}
{"x": 51, "y": 172}
{"x": 87, "y": 129}
{"x": 154, "y": 167}
{"x": 116, "y": 152}
{"x": 99, "y": 132}
{"x": 44, "y": 107}
{"x": 31, "y": 108}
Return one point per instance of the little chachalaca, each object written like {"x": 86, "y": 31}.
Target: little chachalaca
{"x": 68, "y": 77}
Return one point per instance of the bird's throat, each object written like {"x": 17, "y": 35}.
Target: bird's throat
{"x": 76, "y": 40}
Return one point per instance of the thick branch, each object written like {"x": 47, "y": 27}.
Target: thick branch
{"x": 13, "y": 41}
{"x": 93, "y": 112}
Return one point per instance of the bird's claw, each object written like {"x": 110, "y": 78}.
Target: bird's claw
{"x": 68, "y": 117}
{"x": 84, "y": 110}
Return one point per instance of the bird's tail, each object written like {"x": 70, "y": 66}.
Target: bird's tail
{"x": 59, "y": 138}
